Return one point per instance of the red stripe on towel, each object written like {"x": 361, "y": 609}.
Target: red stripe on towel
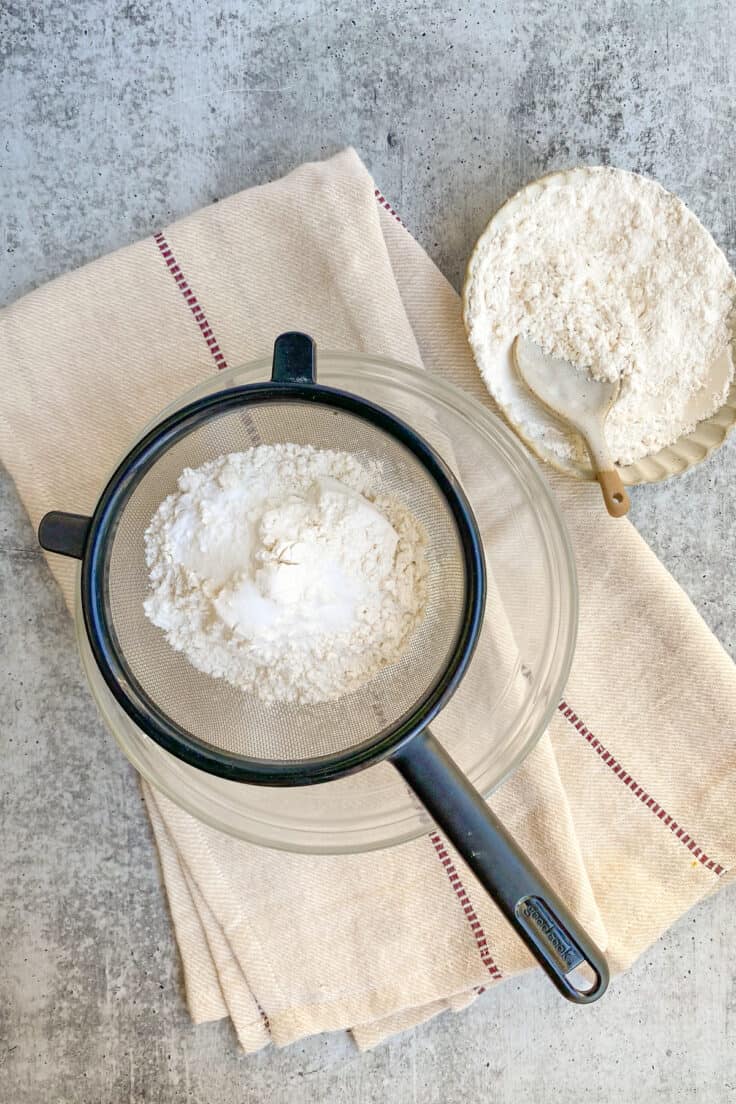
{"x": 462, "y": 895}
{"x": 190, "y": 298}
{"x": 385, "y": 204}
{"x": 639, "y": 791}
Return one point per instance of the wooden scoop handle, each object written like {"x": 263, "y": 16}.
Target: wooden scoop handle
{"x": 614, "y": 492}
{"x": 612, "y": 489}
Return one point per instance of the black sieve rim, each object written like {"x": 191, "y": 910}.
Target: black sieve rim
{"x": 142, "y": 709}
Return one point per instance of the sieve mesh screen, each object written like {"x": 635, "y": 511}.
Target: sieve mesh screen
{"x": 211, "y": 709}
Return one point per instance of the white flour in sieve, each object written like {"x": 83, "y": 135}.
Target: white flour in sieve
{"x": 608, "y": 270}
{"x": 281, "y": 571}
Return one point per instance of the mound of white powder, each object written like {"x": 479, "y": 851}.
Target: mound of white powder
{"x": 279, "y": 570}
{"x": 615, "y": 274}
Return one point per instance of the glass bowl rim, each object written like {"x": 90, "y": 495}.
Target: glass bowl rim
{"x": 559, "y": 651}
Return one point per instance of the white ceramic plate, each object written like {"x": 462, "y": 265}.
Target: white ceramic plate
{"x": 688, "y": 450}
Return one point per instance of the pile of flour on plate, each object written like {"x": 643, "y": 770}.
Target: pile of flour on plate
{"x": 279, "y": 570}
{"x": 608, "y": 270}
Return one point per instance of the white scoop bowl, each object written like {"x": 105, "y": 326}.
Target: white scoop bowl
{"x": 582, "y": 402}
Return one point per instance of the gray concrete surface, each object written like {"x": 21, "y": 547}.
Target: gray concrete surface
{"x": 117, "y": 117}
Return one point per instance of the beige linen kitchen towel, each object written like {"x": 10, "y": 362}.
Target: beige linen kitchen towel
{"x": 626, "y": 803}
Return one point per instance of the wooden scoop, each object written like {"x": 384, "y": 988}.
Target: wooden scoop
{"x": 581, "y": 401}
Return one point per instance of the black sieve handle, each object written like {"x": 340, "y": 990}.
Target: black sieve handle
{"x": 528, "y": 902}
{"x": 293, "y": 359}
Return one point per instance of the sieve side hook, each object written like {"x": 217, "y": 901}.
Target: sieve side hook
{"x": 293, "y": 358}
{"x": 64, "y": 533}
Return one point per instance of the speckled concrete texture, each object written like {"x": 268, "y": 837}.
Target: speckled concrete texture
{"x": 117, "y": 117}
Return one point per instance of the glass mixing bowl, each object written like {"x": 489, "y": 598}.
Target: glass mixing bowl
{"x": 514, "y": 681}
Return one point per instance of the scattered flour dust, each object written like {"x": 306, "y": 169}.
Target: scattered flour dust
{"x": 608, "y": 270}
{"x": 281, "y": 571}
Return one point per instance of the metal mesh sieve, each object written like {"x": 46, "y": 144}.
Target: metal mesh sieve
{"x": 205, "y": 720}
{"x": 217, "y": 728}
